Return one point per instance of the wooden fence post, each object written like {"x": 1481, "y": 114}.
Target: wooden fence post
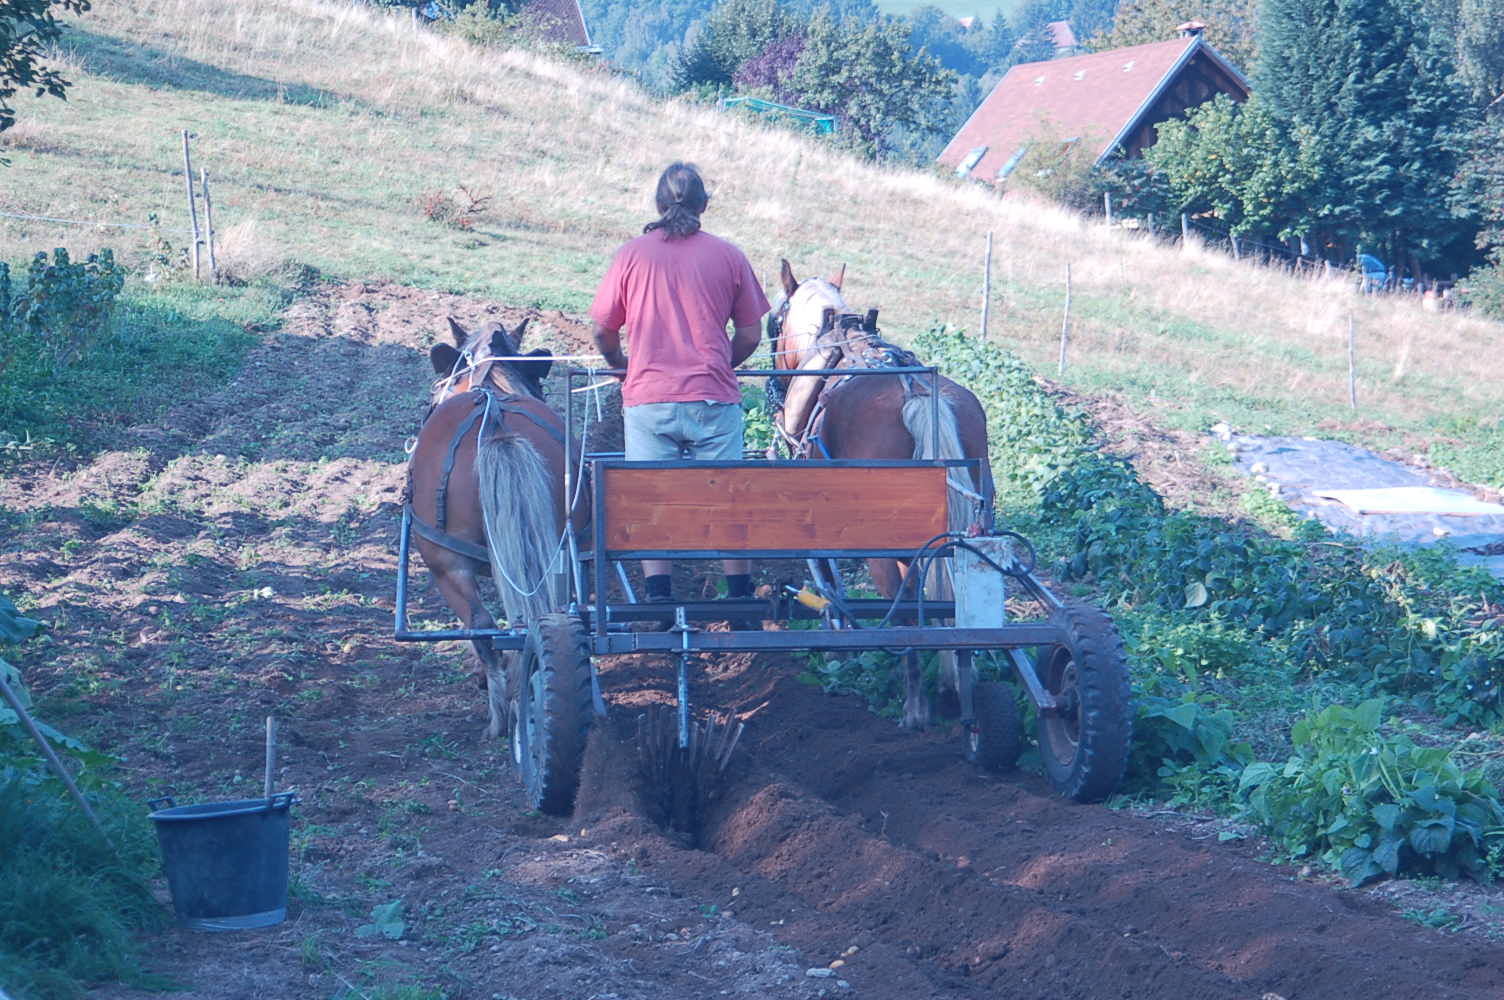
{"x": 986, "y": 284}
{"x": 203, "y": 181}
{"x": 1185, "y": 229}
{"x": 1235, "y": 254}
{"x": 1065, "y": 321}
{"x": 1107, "y": 207}
{"x": 192, "y": 203}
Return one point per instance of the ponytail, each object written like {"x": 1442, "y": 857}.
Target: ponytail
{"x": 680, "y": 198}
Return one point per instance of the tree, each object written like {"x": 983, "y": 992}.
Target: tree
{"x": 1231, "y": 26}
{"x": 1480, "y": 182}
{"x": 27, "y": 27}
{"x": 1367, "y": 91}
{"x": 1235, "y": 161}
{"x": 868, "y": 76}
{"x": 1092, "y": 17}
{"x": 733, "y": 32}
{"x": 1480, "y": 49}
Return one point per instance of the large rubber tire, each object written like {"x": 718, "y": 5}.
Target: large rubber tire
{"x": 1085, "y": 742}
{"x": 554, "y": 712}
{"x": 998, "y": 739}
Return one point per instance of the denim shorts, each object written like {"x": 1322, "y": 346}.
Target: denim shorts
{"x": 703, "y": 430}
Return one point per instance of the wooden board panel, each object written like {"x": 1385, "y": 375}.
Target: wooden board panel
{"x": 712, "y": 508}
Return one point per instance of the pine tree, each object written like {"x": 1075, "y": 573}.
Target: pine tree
{"x": 1367, "y": 90}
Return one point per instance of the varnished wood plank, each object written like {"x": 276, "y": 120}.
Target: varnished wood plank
{"x": 711, "y": 508}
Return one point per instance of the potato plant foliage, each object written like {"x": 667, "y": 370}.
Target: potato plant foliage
{"x": 1225, "y": 613}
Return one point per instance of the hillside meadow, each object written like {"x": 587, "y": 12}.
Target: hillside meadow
{"x": 325, "y": 126}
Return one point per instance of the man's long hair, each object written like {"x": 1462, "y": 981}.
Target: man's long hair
{"x": 681, "y": 198}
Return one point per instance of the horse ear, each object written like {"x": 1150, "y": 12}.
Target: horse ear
{"x": 517, "y": 333}
{"x": 444, "y": 358}
{"x": 786, "y": 275}
{"x": 870, "y": 323}
{"x": 839, "y": 277}
{"x": 502, "y": 344}
{"x": 538, "y": 370}
{"x": 459, "y": 333}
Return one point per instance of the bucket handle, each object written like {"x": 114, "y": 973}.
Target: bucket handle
{"x": 165, "y": 802}
{"x": 281, "y": 800}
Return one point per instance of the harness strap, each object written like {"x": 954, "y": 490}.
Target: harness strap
{"x": 553, "y": 431}
{"x": 448, "y": 541}
{"x": 441, "y": 502}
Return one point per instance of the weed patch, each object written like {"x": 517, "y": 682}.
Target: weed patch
{"x": 71, "y": 904}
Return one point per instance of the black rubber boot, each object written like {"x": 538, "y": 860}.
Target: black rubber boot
{"x": 659, "y": 590}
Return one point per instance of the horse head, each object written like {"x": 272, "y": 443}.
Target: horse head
{"x": 490, "y": 356}
{"x": 805, "y": 316}
{"x": 812, "y": 327}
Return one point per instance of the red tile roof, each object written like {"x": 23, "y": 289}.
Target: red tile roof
{"x": 560, "y": 21}
{"x": 1098, "y": 97}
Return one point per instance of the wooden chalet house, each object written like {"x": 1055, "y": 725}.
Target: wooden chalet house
{"x": 1107, "y": 103}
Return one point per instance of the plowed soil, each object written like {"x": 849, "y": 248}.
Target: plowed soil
{"x": 237, "y": 560}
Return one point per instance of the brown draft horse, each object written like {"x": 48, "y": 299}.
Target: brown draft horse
{"x": 486, "y": 488}
{"x": 874, "y": 417}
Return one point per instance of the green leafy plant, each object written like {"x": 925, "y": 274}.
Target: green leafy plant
{"x": 757, "y": 427}
{"x": 386, "y": 921}
{"x": 1374, "y": 804}
{"x": 64, "y": 309}
{"x": 71, "y": 904}
{"x": 871, "y": 675}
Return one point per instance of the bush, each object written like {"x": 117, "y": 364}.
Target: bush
{"x": 1485, "y": 288}
{"x": 63, "y": 311}
{"x": 1374, "y": 805}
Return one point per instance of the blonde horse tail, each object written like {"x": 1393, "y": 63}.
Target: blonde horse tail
{"x": 517, "y": 506}
{"x": 918, "y": 415}
{"x": 919, "y": 418}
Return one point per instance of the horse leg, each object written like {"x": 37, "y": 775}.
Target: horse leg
{"x": 889, "y": 575}
{"x": 461, "y": 591}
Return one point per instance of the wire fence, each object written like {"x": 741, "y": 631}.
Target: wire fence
{"x": 1217, "y": 235}
{"x": 90, "y": 222}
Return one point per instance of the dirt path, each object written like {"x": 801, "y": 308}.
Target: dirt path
{"x": 237, "y": 560}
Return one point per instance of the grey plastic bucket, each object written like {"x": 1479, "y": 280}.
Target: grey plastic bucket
{"x": 226, "y": 862}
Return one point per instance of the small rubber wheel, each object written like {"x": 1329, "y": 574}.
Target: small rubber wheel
{"x": 996, "y": 741}
{"x": 1085, "y": 740}
{"x": 554, "y": 711}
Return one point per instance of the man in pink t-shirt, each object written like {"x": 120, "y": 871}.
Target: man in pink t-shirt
{"x": 675, "y": 288}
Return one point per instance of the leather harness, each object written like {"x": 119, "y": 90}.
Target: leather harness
{"x": 489, "y": 406}
{"x": 860, "y": 346}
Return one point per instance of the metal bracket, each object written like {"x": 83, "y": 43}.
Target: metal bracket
{"x": 1043, "y": 700}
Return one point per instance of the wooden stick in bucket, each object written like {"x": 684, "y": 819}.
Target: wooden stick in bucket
{"x": 271, "y": 754}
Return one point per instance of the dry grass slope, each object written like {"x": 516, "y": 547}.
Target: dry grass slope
{"x": 323, "y": 122}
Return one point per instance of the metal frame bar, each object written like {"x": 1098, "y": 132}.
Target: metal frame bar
{"x": 817, "y": 640}
{"x": 608, "y": 637}
{"x": 500, "y": 638}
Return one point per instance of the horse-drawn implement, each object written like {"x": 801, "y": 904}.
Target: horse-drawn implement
{"x": 821, "y": 516}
